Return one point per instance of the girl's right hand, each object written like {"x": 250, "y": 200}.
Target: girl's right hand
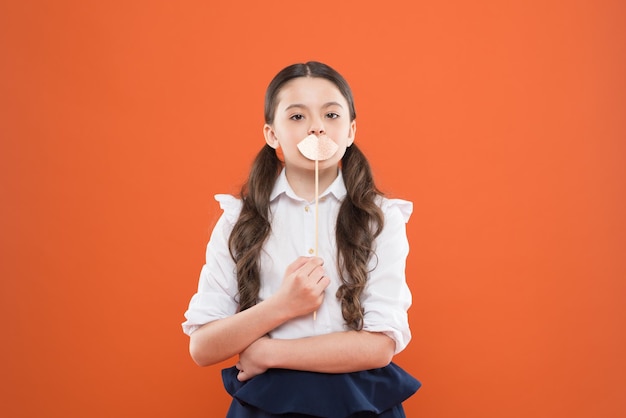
{"x": 302, "y": 289}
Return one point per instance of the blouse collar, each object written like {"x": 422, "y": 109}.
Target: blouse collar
{"x": 337, "y": 188}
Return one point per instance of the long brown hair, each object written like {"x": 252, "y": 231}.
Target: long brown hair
{"x": 359, "y": 221}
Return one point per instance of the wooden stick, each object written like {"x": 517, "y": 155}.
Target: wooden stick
{"x": 317, "y": 148}
{"x": 317, "y": 195}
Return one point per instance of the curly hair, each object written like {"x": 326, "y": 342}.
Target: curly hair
{"x": 359, "y": 221}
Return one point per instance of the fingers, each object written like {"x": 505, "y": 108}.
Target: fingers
{"x": 305, "y": 265}
{"x": 248, "y": 373}
{"x": 241, "y": 375}
{"x": 315, "y": 275}
{"x": 308, "y": 269}
{"x": 312, "y": 269}
{"x": 324, "y": 281}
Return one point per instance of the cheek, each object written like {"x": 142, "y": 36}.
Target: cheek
{"x": 342, "y": 135}
{"x": 290, "y": 133}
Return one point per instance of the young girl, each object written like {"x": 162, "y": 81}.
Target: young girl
{"x": 315, "y": 335}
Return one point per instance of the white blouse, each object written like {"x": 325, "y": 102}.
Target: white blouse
{"x": 385, "y": 299}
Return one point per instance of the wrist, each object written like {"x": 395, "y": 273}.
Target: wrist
{"x": 279, "y": 308}
{"x": 268, "y": 357}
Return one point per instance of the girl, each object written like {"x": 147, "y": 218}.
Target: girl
{"x": 315, "y": 335}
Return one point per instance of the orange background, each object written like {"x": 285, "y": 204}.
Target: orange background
{"x": 504, "y": 122}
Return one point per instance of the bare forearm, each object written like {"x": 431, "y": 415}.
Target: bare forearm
{"x": 224, "y": 338}
{"x": 341, "y": 352}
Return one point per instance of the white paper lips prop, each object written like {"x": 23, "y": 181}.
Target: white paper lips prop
{"x": 317, "y": 148}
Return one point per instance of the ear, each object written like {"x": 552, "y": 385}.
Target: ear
{"x": 270, "y": 136}
{"x": 352, "y": 132}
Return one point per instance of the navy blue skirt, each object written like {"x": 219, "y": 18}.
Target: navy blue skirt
{"x": 296, "y": 394}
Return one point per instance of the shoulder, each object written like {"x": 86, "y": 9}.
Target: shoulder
{"x": 398, "y": 208}
{"x": 230, "y": 205}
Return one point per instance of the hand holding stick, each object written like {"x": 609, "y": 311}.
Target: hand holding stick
{"x": 317, "y": 149}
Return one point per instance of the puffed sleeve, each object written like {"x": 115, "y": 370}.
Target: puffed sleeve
{"x": 387, "y": 298}
{"x": 217, "y": 287}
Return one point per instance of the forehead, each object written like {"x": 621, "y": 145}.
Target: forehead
{"x": 309, "y": 91}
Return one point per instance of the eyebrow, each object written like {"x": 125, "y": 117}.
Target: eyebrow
{"x": 297, "y": 105}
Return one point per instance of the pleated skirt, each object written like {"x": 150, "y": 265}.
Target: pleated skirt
{"x": 280, "y": 393}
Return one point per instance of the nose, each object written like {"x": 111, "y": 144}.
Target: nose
{"x": 316, "y": 128}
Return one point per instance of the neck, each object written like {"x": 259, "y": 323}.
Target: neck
{"x": 303, "y": 181}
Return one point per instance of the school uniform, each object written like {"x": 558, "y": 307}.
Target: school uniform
{"x": 386, "y": 299}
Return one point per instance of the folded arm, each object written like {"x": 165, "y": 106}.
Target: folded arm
{"x": 339, "y": 352}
